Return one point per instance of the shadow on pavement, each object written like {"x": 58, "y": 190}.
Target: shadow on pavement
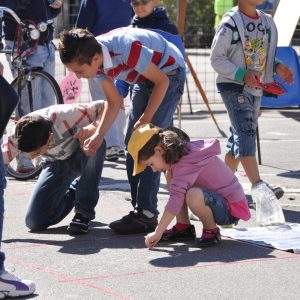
{"x": 97, "y": 239}
{"x": 292, "y": 113}
{"x": 229, "y": 251}
{"x": 290, "y": 174}
{"x": 291, "y": 216}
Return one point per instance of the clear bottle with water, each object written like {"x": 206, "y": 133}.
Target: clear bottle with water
{"x": 268, "y": 209}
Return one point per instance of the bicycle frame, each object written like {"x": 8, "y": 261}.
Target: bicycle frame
{"x": 28, "y": 29}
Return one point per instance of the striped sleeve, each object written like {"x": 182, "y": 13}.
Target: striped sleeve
{"x": 138, "y": 56}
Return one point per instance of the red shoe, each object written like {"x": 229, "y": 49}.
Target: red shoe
{"x": 210, "y": 237}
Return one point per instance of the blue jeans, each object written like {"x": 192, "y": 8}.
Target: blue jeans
{"x": 54, "y": 197}
{"x": 144, "y": 186}
{"x": 219, "y": 208}
{"x": 2, "y": 187}
{"x": 243, "y": 111}
{"x": 43, "y": 96}
{"x": 115, "y": 134}
{"x": 8, "y": 102}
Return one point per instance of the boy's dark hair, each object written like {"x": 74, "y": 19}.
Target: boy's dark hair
{"x": 77, "y": 45}
{"x": 32, "y": 132}
{"x": 174, "y": 142}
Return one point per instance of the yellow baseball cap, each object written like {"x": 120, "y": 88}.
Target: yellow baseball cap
{"x": 138, "y": 140}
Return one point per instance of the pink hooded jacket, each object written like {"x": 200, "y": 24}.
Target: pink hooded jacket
{"x": 202, "y": 168}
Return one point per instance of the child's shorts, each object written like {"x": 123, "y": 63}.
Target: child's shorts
{"x": 219, "y": 208}
{"x": 243, "y": 110}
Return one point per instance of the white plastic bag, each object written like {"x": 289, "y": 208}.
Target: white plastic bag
{"x": 268, "y": 209}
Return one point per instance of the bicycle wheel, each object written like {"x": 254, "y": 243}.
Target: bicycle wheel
{"x": 29, "y": 87}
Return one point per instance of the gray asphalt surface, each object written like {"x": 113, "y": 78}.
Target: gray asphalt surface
{"x": 105, "y": 265}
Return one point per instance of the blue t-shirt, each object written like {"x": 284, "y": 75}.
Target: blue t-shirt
{"x": 101, "y": 16}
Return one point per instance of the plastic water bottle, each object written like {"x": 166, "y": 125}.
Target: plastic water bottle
{"x": 268, "y": 209}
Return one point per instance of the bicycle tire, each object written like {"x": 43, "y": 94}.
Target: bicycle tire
{"x": 19, "y": 85}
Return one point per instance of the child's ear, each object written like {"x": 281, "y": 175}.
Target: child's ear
{"x": 158, "y": 149}
{"x": 97, "y": 58}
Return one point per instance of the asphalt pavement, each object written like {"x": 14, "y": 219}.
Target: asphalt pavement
{"x": 106, "y": 265}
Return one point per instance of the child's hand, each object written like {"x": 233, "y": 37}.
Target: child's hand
{"x": 84, "y": 133}
{"x": 92, "y": 144}
{"x": 251, "y": 78}
{"x": 152, "y": 239}
{"x": 285, "y": 73}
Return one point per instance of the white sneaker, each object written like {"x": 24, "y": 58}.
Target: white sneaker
{"x": 13, "y": 286}
{"x": 112, "y": 153}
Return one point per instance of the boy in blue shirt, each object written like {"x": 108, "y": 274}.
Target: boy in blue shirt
{"x": 145, "y": 59}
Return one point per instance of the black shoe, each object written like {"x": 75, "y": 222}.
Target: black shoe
{"x": 134, "y": 222}
{"x": 278, "y": 191}
{"x": 188, "y": 234}
{"x": 211, "y": 241}
{"x": 79, "y": 224}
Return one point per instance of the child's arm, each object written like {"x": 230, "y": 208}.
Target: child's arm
{"x": 87, "y": 131}
{"x": 111, "y": 108}
{"x": 161, "y": 84}
{"x": 285, "y": 73}
{"x": 153, "y": 238}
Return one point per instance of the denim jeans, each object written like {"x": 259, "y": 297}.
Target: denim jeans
{"x": 8, "y": 102}
{"x": 52, "y": 198}
{"x": 219, "y": 208}
{"x": 115, "y": 134}
{"x": 144, "y": 186}
{"x": 43, "y": 96}
{"x": 243, "y": 110}
{"x": 2, "y": 187}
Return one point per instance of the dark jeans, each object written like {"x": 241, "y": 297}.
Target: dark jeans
{"x": 51, "y": 201}
{"x": 144, "y": 186}
{"x": 8, "y": 102}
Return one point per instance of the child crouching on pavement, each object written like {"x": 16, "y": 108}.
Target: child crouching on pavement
{"x": 197, "y": 179}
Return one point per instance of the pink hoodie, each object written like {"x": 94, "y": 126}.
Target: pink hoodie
{"x": 202, "y": 168}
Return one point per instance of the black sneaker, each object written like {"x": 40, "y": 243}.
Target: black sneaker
{"x": 134, "y": 222}
{"x": 278, "y": 191}
{"x": 188, "y": 234}
{"x": 79, "y": 224}
{"x": 209, "y": 238}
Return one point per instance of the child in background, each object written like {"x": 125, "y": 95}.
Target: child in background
{"x": 147, "y": 15}
{"x": 147, "y": 60}
{"x": 197, "y": 179}
{"x": 243, "y": 53}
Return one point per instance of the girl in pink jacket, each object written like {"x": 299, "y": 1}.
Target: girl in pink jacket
{"x": 197, "y": 178}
